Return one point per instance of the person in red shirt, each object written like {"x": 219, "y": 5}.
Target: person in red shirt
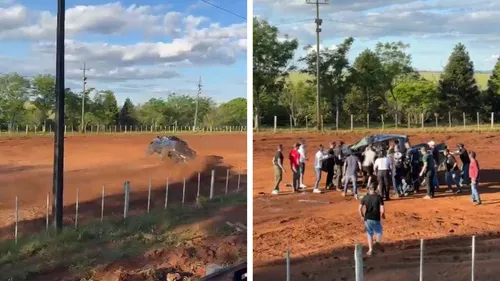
{"x": 474, "y": 177}
{"x": 294, "y": 165}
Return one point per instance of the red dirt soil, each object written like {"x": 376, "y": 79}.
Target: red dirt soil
{"x": 321, "y": 237}
{"x": 95, "y": 160}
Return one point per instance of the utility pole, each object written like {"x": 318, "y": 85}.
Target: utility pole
{"x": 318, "y": 22}
{"x": 58, "y": 167}
{"x": 197, "y": 103}
{"x": 84, "y": 78}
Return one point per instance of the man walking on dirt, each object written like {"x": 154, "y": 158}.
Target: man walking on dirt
{"x": 374, "y": 212}
{"x": 428, "y": 172}
{"x": 351, "y": 168}
{"x": 368, "y": 162}
{"x": 330, "y": 165}
{"x": 295, "y": 166}
{"x": 302, "y": 160}
{"x": 464, "y": 158}
{"x": 278, "y": 169}
{"x": 452, "y": 174}
{"x": 474, "y": 176}
{"x": 413, "y": 160}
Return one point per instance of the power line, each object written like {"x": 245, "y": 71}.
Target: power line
{"x": 223, "y": 9}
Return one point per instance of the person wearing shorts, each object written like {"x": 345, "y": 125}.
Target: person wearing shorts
{"x": 368, "y": 162}
{"x": 278, "y": 169}
{"x": 374, "y": 212}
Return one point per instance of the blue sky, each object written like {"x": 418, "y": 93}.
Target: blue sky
{"x": 431, "y": 27}
{"x": 138, "y": 49}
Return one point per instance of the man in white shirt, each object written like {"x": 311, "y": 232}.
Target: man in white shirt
{"x": 368, "y": 162}
{"x": 382, "y": 169}
{"x": 302, "y": 161}
{"x": 319, "y": 157}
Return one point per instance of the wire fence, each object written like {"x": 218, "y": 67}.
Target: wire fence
{"x": 189, "y": 195}
{"x": 103, "y": 129}
{"x": 351, "y": 122}
{"x": 425, "y": 252}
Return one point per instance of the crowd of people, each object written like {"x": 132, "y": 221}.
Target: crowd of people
{"x": 386, "y": 165}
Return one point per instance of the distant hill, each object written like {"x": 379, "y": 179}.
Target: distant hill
{"x": 481, "y": 77}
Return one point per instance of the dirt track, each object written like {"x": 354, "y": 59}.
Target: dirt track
{"x": 321, "y": 236}
{"x": 94, "y": 161}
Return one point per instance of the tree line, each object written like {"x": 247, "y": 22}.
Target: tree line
{"x": 31, "y": 101}
{"x": 379, "y": 82}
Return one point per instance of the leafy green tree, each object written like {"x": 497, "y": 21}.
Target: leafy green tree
{"x": 367, "y": 95}
{"x": 300, "y": 101}
{"x": 127, "y": 114}
{"x": 396, "y": 64}
{"x": 43, "y": 91}
{"x": 233, "y": 112}
{"x": 14, "y": 93}
{"x": 271, "y": 62}
{"x": 32, "y": 115}
{"x": 153, "y": 112}
{"x": 334, "y": 72}
{"x": 491, "y": 97}
{"x": 417, "y": 96}
{"x": 73, "y": 108}
{"x": 458, "y": 87}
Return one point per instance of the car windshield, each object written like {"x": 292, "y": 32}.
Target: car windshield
{"x": 363, "y": 142}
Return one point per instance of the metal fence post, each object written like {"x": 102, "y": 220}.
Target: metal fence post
{"x": 358, "y": 259}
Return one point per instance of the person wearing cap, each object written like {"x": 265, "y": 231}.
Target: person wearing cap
{"x": 435, "y": 157}
{"x": 302, "y": 160}
{"x": 464, "y": 158}
{"x": 352, "y": 166}
{"x": 374, "y": 212}
{"x": 382, "y": 168}
{"x": 428, "y": 172}
{"x": 452, "y": 174}
{"x": 319, "y": 157}
{"x": 278, "y": 169}
{"x": 474, "y": 177}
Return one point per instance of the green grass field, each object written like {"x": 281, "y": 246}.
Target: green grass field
{"x": 481, "y": 78}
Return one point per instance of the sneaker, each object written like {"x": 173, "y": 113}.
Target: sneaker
{"x": 427, "y": 197}
{"x": 316, "y": 190}
{"x": 458, "y": 192}
{"x": 275, "y": 192}
{"x": 303, "y": 186}
{"x": 478, "y": 203}
{"x": 343, "y": 194}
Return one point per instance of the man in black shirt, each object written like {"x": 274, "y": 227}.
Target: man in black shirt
{"x": 374, "y": 212}
{"x": 339, "y": 164}
{"x": 464, "y": 158}
{"x": 278, "y": 169}
{"x": 435, "y": 157}
{"x": 452, "y": 172}
{"x": 330, "y": 165}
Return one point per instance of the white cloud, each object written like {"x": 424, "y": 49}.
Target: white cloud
{"x": 193, "y": 41}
